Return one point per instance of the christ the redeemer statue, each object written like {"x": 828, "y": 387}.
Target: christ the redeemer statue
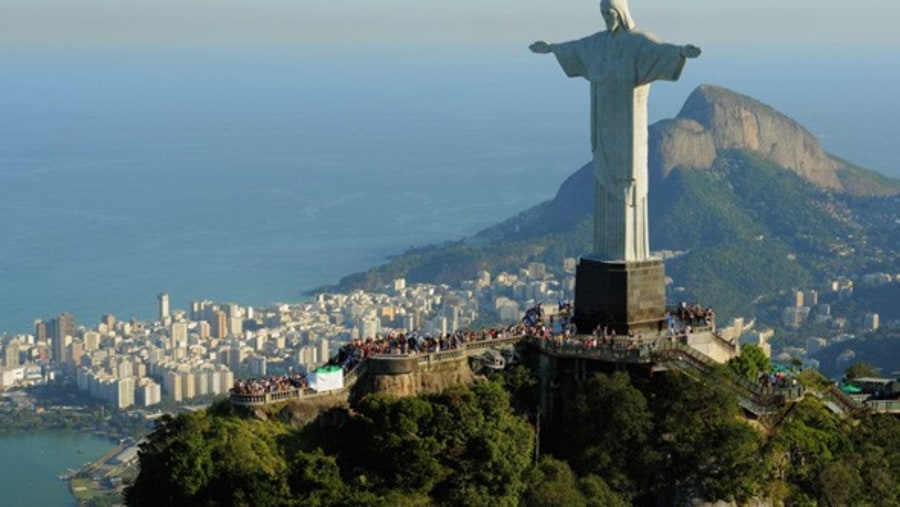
{"x": 620, "y": 63}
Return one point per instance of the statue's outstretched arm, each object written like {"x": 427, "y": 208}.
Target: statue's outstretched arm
{"x": 690, "y": 51}
{"x": 541, "y": 47}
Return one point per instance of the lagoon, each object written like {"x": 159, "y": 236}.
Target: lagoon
{"x": 32, "y": 462}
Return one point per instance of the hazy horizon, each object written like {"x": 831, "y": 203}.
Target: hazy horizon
{"x": 763, "y": 24}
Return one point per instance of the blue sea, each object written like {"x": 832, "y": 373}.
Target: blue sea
{"x": 254, "y": 177}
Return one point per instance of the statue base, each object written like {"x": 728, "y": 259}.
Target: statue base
{"x": 623, "y": 296}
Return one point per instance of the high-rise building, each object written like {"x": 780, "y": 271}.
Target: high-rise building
{"x": 236, "y": 326}
{"x": 226, "y": 379}
{"x": 810, "y": 297}
{"x": 203, "y": 330}
{"x": 307, "y": 355}
{"x": 74, "y": 352}
{"x": 172, "y": 385}
{"x": 870, "y": 321}
{"x": 201, "y": 382}
{"x": 409, "y": 322}
{"x": 63, "y": 326}
{"x": 219, "y": 325}
{"x": 163, "y": 299}
{"x": 91, "y": 341}
{"x": 257, "y": 366}
{"x": 324, "y": 353}
{"x": 109, "y": 320}
{"x": 40, "y": 331}
{"x": 235, "y": 357}
{"x": 369, "y": 326}
{"x": 147, "y": 393}
{"x": 123, "y": 392}
{"x": 179, "y": 333}
{"x": 188, "y": 385}
{"x": 198, "y": 309}
{"x": 11, "y": 354}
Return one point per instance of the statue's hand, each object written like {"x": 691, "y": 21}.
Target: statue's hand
{"x": 540, "y": 47}
{"x": 690, "y": 51}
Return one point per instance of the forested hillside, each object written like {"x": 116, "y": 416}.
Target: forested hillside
{"x": 626, "y": 442}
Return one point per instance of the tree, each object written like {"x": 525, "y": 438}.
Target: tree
{"x": 550, "y": 483}
{"x": 607, "y": 426}
{"x": 707, "y": 445}
{"x": 396, "y": 443}
{"x": 175, "y": 462}
{"x": 464, "y": 446}
{"x": 250, "y": 469}
{"x": 201, "y": 459}
{"x": 315, "y": 479}
{"x": 861, "y": 369}
{"x": 808, "y": 438}
{"x": 598, "y": 493}
{"x": 487, "y": 447}
{"x": 751, "y": 362}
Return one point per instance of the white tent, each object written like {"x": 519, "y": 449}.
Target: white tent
{"x": 327, "y": 378}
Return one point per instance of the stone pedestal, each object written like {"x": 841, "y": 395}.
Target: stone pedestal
{"x": 625, "y": 296}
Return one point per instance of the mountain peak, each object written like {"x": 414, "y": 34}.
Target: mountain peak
{"x": 715, "y": 119}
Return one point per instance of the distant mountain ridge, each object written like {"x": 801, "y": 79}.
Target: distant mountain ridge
{"x": 713, "y": 121}
{"x": 747, "y": 191}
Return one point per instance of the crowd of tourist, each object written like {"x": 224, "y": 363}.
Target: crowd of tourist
{"x": 695, "y": 315}
{"x": 414, "y": 343}
{"x": 558, "y": 331}
{"x": 272, "y": 384}
{"x": 776, "y": 379}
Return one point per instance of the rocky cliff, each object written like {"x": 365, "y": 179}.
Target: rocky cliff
{"x": 715, "y": 119}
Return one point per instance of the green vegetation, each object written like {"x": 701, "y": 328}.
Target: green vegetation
{"x": 620, "y": 441}
{"x": 462, "y": 447}
{"x": 750, "y": 363}
{"x": 861, "y": 369}
{"x": 63, "y": 407}
{"x": 752, "y": 229}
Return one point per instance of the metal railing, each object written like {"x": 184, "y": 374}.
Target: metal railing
{"x": 671, "y": 351}
{"x": 883, "y": 406}
{"x": 674, "y": 352}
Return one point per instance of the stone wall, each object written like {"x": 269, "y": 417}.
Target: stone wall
{"x": 430, "y": 379}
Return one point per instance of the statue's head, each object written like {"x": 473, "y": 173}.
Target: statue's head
{"x": 616, "y": 15}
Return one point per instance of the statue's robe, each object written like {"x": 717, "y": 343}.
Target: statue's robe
{"x": 620, "y": 66}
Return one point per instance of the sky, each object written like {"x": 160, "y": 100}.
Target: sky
{"x": 821, "y": 63}
{"x": 317, "y": 24}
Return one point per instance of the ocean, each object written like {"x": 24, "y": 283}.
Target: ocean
{"x": 32, "y": 461}
{"x": 255, "y": 177}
